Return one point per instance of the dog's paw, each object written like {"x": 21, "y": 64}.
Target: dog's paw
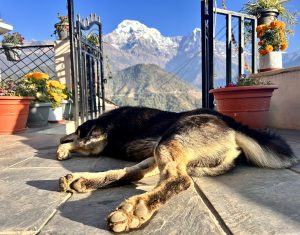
{"x": 62, "y": 153}
{"x": 71, "y": 183}
{"x": 130, "y": 214}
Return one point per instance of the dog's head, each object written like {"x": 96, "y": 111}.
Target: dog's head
{"x": 90, "y": 137}
{"x": 88, "y": 130}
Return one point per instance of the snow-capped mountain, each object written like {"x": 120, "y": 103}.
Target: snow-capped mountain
{"x": 133, "y": 43}
{"x": 141, "y": 43}
{"x": 291, "y": 59}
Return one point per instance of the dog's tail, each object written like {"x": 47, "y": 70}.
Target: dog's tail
{"x": 265, "y": 149}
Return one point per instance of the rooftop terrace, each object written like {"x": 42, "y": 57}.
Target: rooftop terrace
{"x": 247, "y": 200}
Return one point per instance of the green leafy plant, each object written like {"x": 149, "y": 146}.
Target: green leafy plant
{"x": 13, "y": 38}
{"x": 92, "y": 39}
{"x": 11, "y": 87}
{"x": 62, "y": 25}
{"x": 243, "y": 80}
{"x": 255, "y": 7}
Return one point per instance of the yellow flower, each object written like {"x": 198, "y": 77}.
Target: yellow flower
{"x": 57, "y": 98}
{"x": 53, "y": 83}
{"x": 28, "y": 75}
{"x": 37, "y": 75}
{"x": 62, "y": 86}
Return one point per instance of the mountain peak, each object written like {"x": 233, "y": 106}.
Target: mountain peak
{"x": 134, "y": 27}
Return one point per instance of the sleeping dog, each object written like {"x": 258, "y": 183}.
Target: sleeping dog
{"x": 175, "y": 145}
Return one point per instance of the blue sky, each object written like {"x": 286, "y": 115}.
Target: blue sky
{"x": 35, "y": 18}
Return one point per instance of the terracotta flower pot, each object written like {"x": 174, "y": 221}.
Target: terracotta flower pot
{"x": 246, "y": 104}
{"x": 13, "y": 114}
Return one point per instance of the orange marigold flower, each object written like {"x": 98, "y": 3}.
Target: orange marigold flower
{"x": 282, "y": 25}
{"x": 284, "y": 46}
{"x": 277, "y": 24}
{"x": 261, "y": 28}
{"x": 260, "y": 34}
{"x": 262, "y": 51}
{"x": 269, "y": 48}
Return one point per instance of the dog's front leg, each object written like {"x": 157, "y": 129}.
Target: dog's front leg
{"x": 67, "y": 145}
{"x": 86, "y": 182}
{"x": 137, "y": 210}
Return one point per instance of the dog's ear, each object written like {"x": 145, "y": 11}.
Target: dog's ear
{"x": 97, "y": 132}
{"x": 85, "y": 128}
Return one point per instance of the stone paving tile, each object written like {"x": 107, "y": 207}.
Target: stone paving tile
{"x": 86, "y": 213}
{"x": 48, "y": 160}
{"x": 256, "y": 201}
{"x": 27, "y": 198}
{"x": 296, "y": 168}
{"x": 7, "y": 162}
{"x": 106, "y": 163}
{"x": 291, "y": 135}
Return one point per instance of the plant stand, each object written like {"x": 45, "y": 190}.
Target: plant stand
{"x": 12, "y": 53}
{"x": 246, "y": 104}
{"x": 13, "y": 114}
{"x": 55, "y": 115}
{"x": 38, "y": 114}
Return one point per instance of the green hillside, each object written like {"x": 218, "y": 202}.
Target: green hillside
{"x": 151, "y": 86}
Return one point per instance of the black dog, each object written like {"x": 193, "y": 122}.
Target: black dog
{"x": 198, "y": 142}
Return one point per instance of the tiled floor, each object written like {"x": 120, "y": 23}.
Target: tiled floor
{"x": 247, "y": 200}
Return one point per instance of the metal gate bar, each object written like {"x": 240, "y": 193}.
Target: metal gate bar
{"x": 207, "y": 28}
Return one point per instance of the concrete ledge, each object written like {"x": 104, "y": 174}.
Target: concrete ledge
{"x": 284, "y": 110}
{"x": 275, "y": 72}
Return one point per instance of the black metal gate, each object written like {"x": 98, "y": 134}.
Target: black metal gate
{"x": 87, "y": 67}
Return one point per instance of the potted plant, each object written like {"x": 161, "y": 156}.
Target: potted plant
{"x": 67, "y": 105}
{"x": 268, "y": 10}
{"x": 247, "y": 101}
{"x": 57, "y": 93}
{"x": 15, "y": 98}
{"x": 40, "y": 106}
{"x": 62, "y": 27}
{"x": 273, "y": 40}
{"x": 10, "y": 44}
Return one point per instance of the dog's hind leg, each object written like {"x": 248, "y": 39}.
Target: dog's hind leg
{"x": 171, "y": 158}
{"x": 86, "y": 181}
{"x": 226, "y": 164}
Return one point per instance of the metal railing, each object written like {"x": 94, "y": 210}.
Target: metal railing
{"x": 33, "y": 58}
{"x": 208, "y": 12}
